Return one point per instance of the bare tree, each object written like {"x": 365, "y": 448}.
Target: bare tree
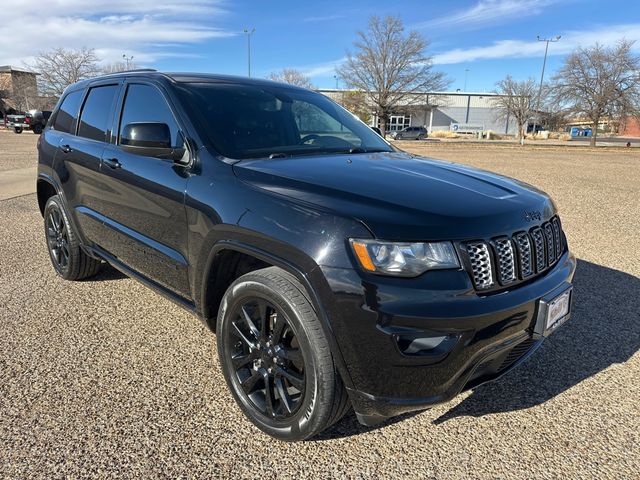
{"x": 552, "y": 115}
{"x": 390, "y": 66}
{"x": 356, "y": 102}
{"x": 600, "y": 82}
{"x": 292, "y": 77}
{"x": 117, "y": 67}
{"x": 59, "y": 68}
{"x": 514, "y": 101}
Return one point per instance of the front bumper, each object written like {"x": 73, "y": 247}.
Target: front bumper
{"x": 470, "y": 339}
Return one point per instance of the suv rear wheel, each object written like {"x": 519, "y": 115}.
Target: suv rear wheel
{"x": 68, "y": 259}
{"x": 275, "y": 357}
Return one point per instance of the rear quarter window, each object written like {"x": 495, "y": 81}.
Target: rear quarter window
{"x": 68, "y": 112}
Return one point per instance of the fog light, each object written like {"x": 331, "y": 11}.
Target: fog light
{"x": 426, "y": 344}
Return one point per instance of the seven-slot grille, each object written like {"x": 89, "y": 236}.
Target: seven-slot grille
{"x": 505, "y": 260}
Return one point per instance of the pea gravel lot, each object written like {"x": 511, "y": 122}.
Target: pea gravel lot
{"x": 104, "y": 378}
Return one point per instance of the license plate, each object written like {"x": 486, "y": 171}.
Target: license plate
{"x": 558, "y": 311}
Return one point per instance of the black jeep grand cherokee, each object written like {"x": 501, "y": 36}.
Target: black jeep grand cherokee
{"x": 337, "y": 271}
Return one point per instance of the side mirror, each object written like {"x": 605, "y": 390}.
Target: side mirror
{"x": 150, "y": 139}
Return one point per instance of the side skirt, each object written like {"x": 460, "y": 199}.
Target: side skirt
{"x": 97, "y": 252}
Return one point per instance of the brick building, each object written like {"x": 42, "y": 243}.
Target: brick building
{"x": 18, "y": 90}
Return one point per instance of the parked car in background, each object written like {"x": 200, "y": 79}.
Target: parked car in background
{"x": 410, "y": 133}
{"x": 34, "y": 120}
{"x": 37, "y": 120}
{"x": 15, "y": 119}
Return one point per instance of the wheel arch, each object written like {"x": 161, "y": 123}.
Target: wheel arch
{"x": 45, "y": 189}
{"x": 213, "y": 289}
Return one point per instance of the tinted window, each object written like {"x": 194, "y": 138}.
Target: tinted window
{"x": 251, "y": 121}
{"x": 94, "y": 119}
{"x": 145, "y": 103}
{"x": 67, "y": 112}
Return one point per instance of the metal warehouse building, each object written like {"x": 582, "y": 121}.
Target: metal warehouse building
{"x": 455, "y": 111}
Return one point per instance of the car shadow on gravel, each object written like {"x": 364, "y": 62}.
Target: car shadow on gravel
{"x": 604, "y": 330}
{"x": 107, "y": 273}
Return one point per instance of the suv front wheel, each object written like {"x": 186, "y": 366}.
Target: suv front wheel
{"x": 275, "y": 357}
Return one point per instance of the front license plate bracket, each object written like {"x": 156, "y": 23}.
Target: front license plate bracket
{"x": 554, "y": 309}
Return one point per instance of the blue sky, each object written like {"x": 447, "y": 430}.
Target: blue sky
{"x": 490, "y": 38}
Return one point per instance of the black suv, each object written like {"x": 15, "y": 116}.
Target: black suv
{"x": 337, "y": 271}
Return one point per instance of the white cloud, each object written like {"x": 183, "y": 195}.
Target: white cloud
{"x": 147, "y": 29}
{"x": 320, "y": 69}
{"x": 520, "y": 49}
{"x": 313, "y": 70}
{"x": 487, "y": 12}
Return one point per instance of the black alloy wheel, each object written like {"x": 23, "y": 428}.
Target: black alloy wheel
{"x": 57, "y": 238}
{"x": 276, "y": 358}
{"x": 266, "y": 357}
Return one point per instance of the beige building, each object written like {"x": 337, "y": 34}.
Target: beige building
{"x": 463, "y": 112}
{"x": 18, "y": 89}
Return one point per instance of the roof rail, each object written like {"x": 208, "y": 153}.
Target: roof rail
{"x": 139, "y": 70}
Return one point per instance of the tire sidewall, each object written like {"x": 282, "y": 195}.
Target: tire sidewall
{"x": 54, "y": 202}
{"x": 304, "y": 423}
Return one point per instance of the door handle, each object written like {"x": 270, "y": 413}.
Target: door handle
{"x": 66, "y": 148}
{"x": 112, "y": 162}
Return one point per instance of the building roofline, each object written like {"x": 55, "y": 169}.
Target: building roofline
{"x": 463, "y": 94}
{"x": 9, "y": 69}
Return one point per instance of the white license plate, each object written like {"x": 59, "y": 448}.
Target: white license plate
{"x": 558, "y": 310}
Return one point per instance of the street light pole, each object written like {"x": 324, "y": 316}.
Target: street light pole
{"x": 127, "y": 59}
{"x": 466, "y": 72}
{"x": 335, "y": 77}
{"x": 544, "y": 64}
{"x": 249, "y": 33}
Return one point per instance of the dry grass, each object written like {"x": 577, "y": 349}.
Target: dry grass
{"x": 444, "y": 134}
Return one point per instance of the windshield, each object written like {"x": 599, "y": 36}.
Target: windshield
{"x": 256, "y": 121}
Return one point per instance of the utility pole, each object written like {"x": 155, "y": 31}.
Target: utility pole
{"x": 544, "y": 64}
{"x": 127, "y": 59}
{"x": 335, "y": 77}
{"x": 249, "y": 33}
{"x": 466, "y": 72}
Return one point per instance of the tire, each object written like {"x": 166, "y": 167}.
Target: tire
{"x": 398, "y": 137}
{"x": 420, "y": 137}
{"x": 67, "y": 258}
{"x": 37, "y": 129}
{"x": 289, "y": 360}
{"x": 17, "y": 129}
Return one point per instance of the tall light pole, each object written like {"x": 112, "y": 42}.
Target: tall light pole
{"x": 127, "y": 59}
{"x": 335, "y": 77}
{"x": 249, "y": 33}
{"x": 466, "y": 72}
{"x": 544, "y": 64}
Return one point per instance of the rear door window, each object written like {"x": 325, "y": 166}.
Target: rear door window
{"x": 96, "y": 113}
{"x": 68, "y": 112}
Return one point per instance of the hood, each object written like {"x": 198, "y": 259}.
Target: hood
{"x": 399, "y": 196}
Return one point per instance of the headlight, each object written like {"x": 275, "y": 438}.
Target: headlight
{"x": 404, "y": 259}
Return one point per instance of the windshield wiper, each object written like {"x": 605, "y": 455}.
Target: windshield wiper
{"x": 277, "y": 155}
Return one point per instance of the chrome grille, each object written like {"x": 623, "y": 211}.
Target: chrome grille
{"x": 506, "y": 260}
{"x": 480, "y": 264}
{"x": 524, "y": 254}
{"x": 538, "y": 244}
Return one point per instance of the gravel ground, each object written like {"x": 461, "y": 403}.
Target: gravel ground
{"x": 104, "y": 378}
{"x": 17, "y": 151}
